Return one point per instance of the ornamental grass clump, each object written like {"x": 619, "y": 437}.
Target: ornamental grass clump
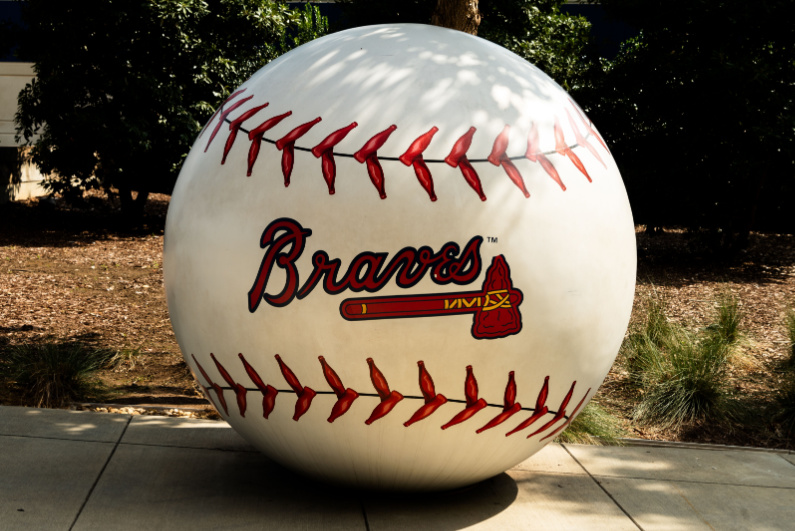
{"x": 53, "y": 374}
{"x": 594, "y": 425}
{"x": 681, "y": 376}
{"x": 727, "y": 319}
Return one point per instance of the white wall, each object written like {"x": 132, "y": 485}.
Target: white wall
{"x": 13, "y": 78}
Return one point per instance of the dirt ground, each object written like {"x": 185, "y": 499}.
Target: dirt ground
{"x": 81, "y": 274}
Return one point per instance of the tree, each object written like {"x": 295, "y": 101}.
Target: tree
{"x": 536, "y": 30}
{"x": 461, "y": 15}
{"x": 699, "y": 111}
{"x": 122, "y": 87}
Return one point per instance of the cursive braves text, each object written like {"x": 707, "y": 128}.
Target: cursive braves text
{"x": 284, "y": 241}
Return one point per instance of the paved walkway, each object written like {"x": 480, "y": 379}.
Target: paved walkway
{"x": 67, "y": 470}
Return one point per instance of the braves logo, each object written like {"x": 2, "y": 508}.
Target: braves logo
{"x": 495, "y": 306}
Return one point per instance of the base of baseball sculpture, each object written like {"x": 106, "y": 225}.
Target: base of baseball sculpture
{"x": 399, "y": 257}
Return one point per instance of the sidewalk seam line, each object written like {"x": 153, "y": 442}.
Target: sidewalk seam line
{"x": 693, "y": 481}
{"x": 101, "y": 472}
{"x": 252, "y": 451}
{"x": 55, "y": 438}
{"x": 603, "y": 488}
{"x": 364, "y": 515}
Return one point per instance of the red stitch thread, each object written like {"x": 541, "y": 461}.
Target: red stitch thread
{"x": 581, "y": 140}
{"x": 255, "y": 136}
{"x": 268, "y": 392}
{"x": 432, "y": 400}
{"x": 588, "y": 124}
{"x": 413, "y": 157}
{"x": 217, "y": 388}
{"x": 510, "y": 407}
{"x": 324, "y": 152}
{"x": 240, "y": 391}
{"x": 571, "y": 417}
{"x": 540, "y": 410}
{"x": 286, "y": 145}
{"x": 389, "y": 399}
{"x": 563, "y": 149}
{"x": 474, "y": 404}
{"x": 498, "y": 157}
{"x": 458, "y": 159}
{"x": 369, "y": 154}
{"x": 227, "y": 100}
{"x": 304, "y": 394}
{"x": 234, "y": 127}
{"x": 221, "y": 120}
{"x": 534, "y": 155}
{"x": 345, "y": 397}
{"x": 561, "y": 411}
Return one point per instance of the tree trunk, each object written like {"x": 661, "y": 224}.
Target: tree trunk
{"x": 461, "y": 15}
{"x": 132, "y": 209}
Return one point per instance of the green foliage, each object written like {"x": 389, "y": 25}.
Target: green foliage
{"x": 594, "y": 425}
{"x": 700, "y": 113}
{"x": 726, "y": 329}
{"x": 539, "y": 32}
{"x": 123, "y": 87}
{"x": 534, "y": 29}
{"x": 52, "y": 374}
{"x": 682, "y": 377}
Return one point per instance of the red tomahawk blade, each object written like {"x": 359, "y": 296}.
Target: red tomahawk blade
{"x": 495, "y": 307}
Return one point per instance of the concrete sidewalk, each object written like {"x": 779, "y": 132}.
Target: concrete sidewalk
{"x": 90, "y": 471}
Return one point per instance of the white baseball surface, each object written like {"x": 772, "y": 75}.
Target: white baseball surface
{"x": 467, "y": 284}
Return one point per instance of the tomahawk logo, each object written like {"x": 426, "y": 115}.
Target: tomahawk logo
{"x": 495, "y": 307}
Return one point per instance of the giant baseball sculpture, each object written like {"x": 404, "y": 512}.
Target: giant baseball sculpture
{"x": 399, "y": 257}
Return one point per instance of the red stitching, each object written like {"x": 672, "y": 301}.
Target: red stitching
{"x": 234, "y": 127}
{"x": 432, "y": 400}
{"x": 368, "y": 154}
{"x": 219, "y": 109}
{"x": 240, "y": 391}
{"x": 345, "y": 396}
{"x": 413, "y": 157}
{"x": 389, "y": 398}
{"x": 474, "y": 404}
{"x": 581, "y": 139}
{"x": 217, "y": 388}
{"x": 499, "y": 158}
{"x": 534, "y": 154}
{"x": 414, "y": 154}
{"x": 268, "y": 392}
{"x": 224, "y": 114}
{"x": 324, "y": 152}
{"x": 458, "y": 159}
{"x": 563, "y": 149}
{"x": 305, "y": 394}
{"x": 256, "y": 135}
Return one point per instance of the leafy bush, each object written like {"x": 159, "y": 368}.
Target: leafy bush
{"x": 594, "y": 425}
{"x": 55, "y": 373}
{"x": 123, "y": 88}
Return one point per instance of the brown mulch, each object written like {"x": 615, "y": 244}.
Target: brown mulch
{"x": 83, "y": 274}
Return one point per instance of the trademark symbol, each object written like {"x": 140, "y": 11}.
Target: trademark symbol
{"x": 491, "y": 239}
